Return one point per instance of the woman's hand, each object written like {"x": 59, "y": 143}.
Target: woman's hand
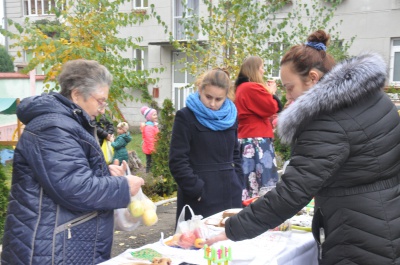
{"x": 110, "y": 138}
{"x": 220, "y": 237}
{"x": 271, "y": 84}
{"x": 135, "y": 183}
{"x": 116, "y": 169}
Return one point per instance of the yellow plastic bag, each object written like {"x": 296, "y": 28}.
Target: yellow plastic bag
{"x": 108, "y": 151}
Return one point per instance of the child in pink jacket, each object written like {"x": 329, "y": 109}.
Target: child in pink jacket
{"x": 149, "y": 132}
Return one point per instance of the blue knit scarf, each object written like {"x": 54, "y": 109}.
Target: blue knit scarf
{"x": 216, "y": 120}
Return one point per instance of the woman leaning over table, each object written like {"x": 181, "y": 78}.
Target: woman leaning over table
{"x": 63, "y": 194}
{"x": 256, "y": 105}
{"x": 204, "y": 155}
{"x": 345, "y": 136}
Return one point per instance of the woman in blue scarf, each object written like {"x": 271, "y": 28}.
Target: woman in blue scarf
{"x": 204, "y": 154}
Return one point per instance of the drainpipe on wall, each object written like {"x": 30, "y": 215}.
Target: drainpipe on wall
{"x": 5, "y": 23}
{"x": 32, "y": 81}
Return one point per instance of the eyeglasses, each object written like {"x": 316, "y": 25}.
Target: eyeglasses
{"x": 102, "y": 103}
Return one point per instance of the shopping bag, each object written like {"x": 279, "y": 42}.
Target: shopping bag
{"x": 142, "y": 207}
{"x": 108, "y": 151}
{"x": 190, "y": 233}
{"x": 124, "y": 221}
{"x": 140, "y": 210}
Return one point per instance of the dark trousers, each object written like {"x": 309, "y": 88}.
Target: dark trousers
{"x": 148, "y": 163}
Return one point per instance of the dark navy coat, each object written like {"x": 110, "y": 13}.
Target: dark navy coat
{"x": 205, "y": 164}
{"x": 62, "y": 195}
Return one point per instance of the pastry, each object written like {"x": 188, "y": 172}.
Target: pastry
{"x": 230, "y": 212}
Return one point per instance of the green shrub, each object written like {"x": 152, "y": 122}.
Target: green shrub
{"x": 4, "y": 192}
{"x": 166, "y": 184}
{"x": 282, "y": 151}
{"x": 6, "y": 62}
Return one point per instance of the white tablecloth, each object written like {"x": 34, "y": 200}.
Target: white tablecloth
{"x": 270, "y": 248}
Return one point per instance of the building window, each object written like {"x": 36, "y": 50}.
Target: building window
{"x": 141, "y": 57}
{"x": 276, "y": 49}
{"x": 395, "y": 62}
{"x": 189, "y": 8}
{"x": 183, "y": 80}
{"x": 38, "y": 7}
{"x": 141, "y": 4}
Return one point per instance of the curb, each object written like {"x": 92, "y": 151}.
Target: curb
{"x": 165, "y": 201}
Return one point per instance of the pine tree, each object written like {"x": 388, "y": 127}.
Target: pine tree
{"x": 6, "y": 63}
{"x": 4, "y": 192}
{"x": 160, "y": 167}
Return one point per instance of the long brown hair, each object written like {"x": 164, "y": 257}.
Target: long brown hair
{"x": 250, "y": 70}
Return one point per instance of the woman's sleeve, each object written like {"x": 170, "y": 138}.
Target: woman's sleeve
{"x": 101, "y": 133}
{"x": 62, "y": 167}
{"x": 259, "y": 101}
{"x": 179, "y": 154}
{"x": 109, "y": 127}
{"x": 309, "y": 169}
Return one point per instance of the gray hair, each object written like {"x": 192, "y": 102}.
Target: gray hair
{"x": 84, "y": 75}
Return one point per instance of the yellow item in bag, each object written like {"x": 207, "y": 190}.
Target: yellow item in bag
{"x": 108, "y": 151}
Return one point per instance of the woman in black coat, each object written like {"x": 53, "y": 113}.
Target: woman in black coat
{"x": 204, "y": 153}
{"x": 104, "y": 129}
{"x": 345, "y": 136}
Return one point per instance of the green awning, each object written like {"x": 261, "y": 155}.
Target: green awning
{"x": 8, "y": 105}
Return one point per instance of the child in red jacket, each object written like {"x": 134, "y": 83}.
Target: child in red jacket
{"x": 149, "y": 132}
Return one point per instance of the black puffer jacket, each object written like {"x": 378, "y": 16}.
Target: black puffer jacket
{"x": 345, "y": 134}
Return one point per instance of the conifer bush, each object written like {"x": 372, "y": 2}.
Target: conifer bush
{"x": 160, "y": 168}
{"x": 6, "y": 62}
{"x": 281, "y": 150}
{"x": 4, "y": 191}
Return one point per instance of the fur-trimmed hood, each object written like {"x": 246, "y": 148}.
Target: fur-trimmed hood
{"x": 347, "y": 83}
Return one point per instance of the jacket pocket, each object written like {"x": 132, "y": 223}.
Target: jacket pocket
{"x": 75, "y": 240}
{"x": 318, "y": 230}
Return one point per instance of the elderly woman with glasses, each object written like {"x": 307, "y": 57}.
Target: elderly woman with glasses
{"x": 63, "y": 193}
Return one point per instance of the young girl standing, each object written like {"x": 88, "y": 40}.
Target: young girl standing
{"x": 120, "y": 143}
{"x": 149, "y": 132}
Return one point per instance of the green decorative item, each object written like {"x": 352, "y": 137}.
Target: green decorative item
{"x": 146, "y": 254}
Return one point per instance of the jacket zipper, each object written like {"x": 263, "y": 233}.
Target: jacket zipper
{"x": 321, "y": 240}
{"x": 79, "y": 221}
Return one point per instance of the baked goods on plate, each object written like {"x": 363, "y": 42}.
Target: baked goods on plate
{"x": 218, "y": 220}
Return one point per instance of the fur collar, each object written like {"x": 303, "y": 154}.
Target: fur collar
{"x": 347, "y": 83}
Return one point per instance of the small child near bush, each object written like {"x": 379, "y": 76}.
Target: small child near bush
{"x": 120, "y": 143}
{"x": 149, "y": 131}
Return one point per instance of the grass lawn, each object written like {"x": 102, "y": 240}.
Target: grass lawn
{"x": 8, "y": 172}
{"x": 136, "y": 145}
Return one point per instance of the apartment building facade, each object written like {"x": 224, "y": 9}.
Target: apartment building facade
{"x": 374, "y": 24}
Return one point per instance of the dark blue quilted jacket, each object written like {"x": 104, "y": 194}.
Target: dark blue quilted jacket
{"x": 62, "y": 195}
